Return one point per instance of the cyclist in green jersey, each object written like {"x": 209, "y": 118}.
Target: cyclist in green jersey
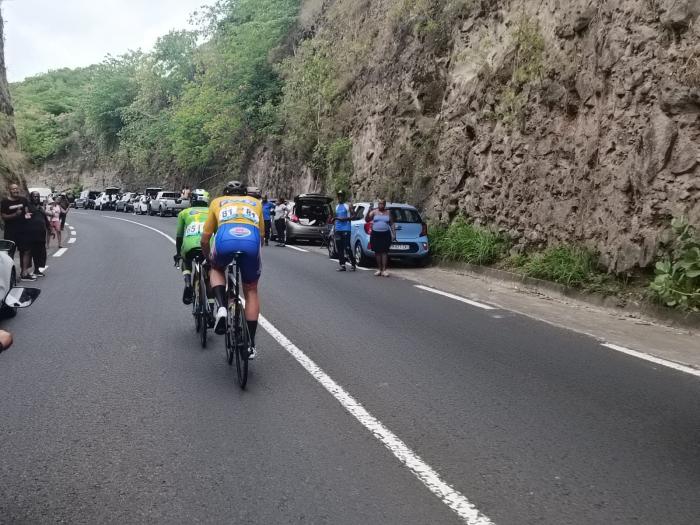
{"x": 190, "y": 223}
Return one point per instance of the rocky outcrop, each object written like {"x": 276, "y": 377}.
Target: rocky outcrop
{"x": 575, "y": 122}
{"x": 10, "y": 159}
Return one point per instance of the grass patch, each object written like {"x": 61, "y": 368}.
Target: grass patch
{"x": 464, "y": 242}
{"x": 571, "y": 266}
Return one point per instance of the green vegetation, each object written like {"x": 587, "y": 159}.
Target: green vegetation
{"x": 677, "y": 281}
{"x": 197, "y": 102}
{"x": 464, "y": 242}
{"x": 571, "y": 266}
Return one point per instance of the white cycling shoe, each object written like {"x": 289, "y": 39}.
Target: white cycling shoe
{"x": 252, "y": 353}
{"x": 220, "y": 324}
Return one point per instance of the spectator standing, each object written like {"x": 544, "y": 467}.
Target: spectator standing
{"x": 13, "y": 210}
{"x": 383, "y": 233}
{"x": 281, "y": 214}
{"x": 37, "y": 228}
{"x": 65, "y": 205}
{"x": 268, "y": 210}
{"x": 54, "y": 215}
{"x": 186, "y": 193}
{"x": 343, "y": 227}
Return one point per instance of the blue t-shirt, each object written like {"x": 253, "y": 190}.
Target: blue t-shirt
{"x": 267, "y": 211}
{"x": 342, "y": 211}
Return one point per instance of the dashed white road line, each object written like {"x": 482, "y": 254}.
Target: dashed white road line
{"x": 455, "y": 500}
{"x": 71, "y": 228}
{"x": 653, "y": 359}
{"x": 72, "y": 240}
{"x": 60, "y": 252}
{"x": 455, "y": 297}
{"x": 72, "y": 232}
{"x": 297, "y": 249}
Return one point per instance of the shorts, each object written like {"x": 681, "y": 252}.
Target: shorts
{"x": 244, "y": 238}
{"x": 381, "y": 242}
{"x": 187, "y": 258}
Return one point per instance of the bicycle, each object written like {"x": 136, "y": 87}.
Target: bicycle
{"x": 201, "y": 308}
{"x": 237, "y": 336}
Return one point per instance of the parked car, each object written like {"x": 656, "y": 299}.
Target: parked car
{"x": 107, "y": 199}
{"x": 44, "y": 194}
{"x": 141, "y": 205}
{"x": 8, "y": 275}
{"x": 88, "y": 197}
{"x": 130, "y": 206}
{"x": 79, "y": 202}
{"x": 121, "y": 204}
{"x": 167, "y": 203}
{"x": 411, "y": 234}
{"x": 309, "y": 218}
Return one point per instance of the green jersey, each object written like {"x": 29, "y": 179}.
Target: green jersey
{"x": 190, "y": 224}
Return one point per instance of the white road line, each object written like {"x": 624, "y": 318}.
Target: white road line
{"x": 60, "y": 252}
{"x": 424, "y": 472}
{"x": 431, "y": 479}
{"x": 663, "y": 362}
{"x": 455, "y": 297}
{"x": 364, "y": 269}
{"x": 71, "y": 228}
{"x": 72, "y": 240}
{"x": 72, "y": 232}
{"x": 297, "y": 249}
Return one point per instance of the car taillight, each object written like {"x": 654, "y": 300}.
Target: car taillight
{"x": 368, "y": 228}
{"x": 294, "y": 218}
{"x": 424, "y": 230}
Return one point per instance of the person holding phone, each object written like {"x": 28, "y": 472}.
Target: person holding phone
{"x": 14, "y": 210}
{"x": 383, "y": 234}
{"x": 343, "y": 228}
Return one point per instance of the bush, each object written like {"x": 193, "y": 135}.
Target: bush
{"x": 571, "y": 266}
{"x": 465, "y": 242}
{"x": 677, "y": 281}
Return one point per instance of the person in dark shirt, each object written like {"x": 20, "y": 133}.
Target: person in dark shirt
{"x": 37, "y": 228}
{"x": 14, "y": 210}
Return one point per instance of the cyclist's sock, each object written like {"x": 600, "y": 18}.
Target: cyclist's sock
{"x": 252, "y": 328}
{"x": 220, "y": 295}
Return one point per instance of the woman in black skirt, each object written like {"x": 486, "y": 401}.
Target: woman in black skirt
{"x": 383, "y": 234}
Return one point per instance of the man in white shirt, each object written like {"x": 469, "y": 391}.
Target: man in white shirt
{"x": 281, "y": 214}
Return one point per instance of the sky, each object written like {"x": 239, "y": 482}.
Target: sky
{"x": 51, "y": 34}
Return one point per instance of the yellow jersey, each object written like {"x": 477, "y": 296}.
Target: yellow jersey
{"x": 235, "y": 209}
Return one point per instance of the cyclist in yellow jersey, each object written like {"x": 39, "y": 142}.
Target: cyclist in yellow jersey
{"x": 236, "y": 223}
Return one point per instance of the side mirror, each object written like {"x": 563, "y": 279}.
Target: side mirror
{"x": 8, "y": 246}
{"x": 21, "y": 297}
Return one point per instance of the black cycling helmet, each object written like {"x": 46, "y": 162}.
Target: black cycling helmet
{"x": 235, "y": 188}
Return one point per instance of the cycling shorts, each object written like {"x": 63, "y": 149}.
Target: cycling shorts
{"x": 244, "y": 238}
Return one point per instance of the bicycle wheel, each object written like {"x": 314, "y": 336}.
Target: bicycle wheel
{"x": 196, "y": 308}
{"x": 241, "y": 344}
{"x": 203, "y": 314}
{"x": 229, "y": 337}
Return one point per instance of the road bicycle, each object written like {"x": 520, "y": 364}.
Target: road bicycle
{"x": 237, "y": 336}
{"x": 201, "y": 306}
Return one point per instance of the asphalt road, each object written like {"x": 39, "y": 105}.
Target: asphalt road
{"x": 110, "y": 411}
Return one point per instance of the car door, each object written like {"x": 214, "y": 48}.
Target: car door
{"x": 358, "y": 223}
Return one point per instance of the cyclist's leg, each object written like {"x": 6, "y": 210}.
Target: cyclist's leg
{"x": 251, "y": 269}
{"x": 186, "y": 264}
{"x": 217, "y": 278}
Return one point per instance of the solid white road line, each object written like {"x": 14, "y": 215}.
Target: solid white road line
{"x": 424, "y": 472}
{"x": 663, "y": 362}
{"x": 297, "y": 249}
{"x": 60, "y": 252}
{"x": 455, "y": 297}
{"x": 71, "y": 240}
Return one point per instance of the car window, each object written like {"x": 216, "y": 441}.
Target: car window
{"x": 359, "y": 212}
{"x": 170, "y": 195}
{"x": 405, "y": 215}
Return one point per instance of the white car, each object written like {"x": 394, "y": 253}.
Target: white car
{"x": 8, "y": 276}
{"x": 167, "y": 203}
{"x": 107, "y": 199}
{"x": 141, "y": 205}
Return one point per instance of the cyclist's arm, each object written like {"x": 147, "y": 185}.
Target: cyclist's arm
{"x": 180, "y": 232}
{"x": 261, "y": 226}
{"x": 209, "y": 228}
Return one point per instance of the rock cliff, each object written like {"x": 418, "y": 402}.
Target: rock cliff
{"x": 10, "y": 158}
{"x": 554, "y": 121}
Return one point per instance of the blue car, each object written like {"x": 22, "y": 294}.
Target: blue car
{"x": 411, "y": 234}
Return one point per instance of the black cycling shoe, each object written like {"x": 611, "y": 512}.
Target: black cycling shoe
{"x": 187, "y": 295}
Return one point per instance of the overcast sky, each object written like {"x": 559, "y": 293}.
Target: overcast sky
{"x": 51, "y": 34}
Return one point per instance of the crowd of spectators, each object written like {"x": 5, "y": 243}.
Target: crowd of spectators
{"x": 31, "y": 224}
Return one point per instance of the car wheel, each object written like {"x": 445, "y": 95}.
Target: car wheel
{"x": 331, "y": 248}
{"x": 160, "y": 212}
{"x": 360, "y": 256}
{"x": 150, "y": 211}
{"x": 6, "y": 312}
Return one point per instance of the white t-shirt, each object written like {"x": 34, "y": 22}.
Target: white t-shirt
{"x": 281, "y": 211}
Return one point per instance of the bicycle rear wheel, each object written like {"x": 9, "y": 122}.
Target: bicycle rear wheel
{"x": 203, "y": 313}
{"x": 241, "y": 340}
{"x": 196, "y": 306}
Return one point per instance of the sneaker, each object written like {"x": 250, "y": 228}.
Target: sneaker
{"x": 187, "y": 295}
{"x": 341, "y": 269}
{"x": 385, "y": 273}
{"x": 38, "y": 273}
{"x": 252, "y": 353}
{"x": 353, "y": 268}
{"x": 220, "y": 324}
{"x": 27, "y": 278}
{"x": 377, "y": 273}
